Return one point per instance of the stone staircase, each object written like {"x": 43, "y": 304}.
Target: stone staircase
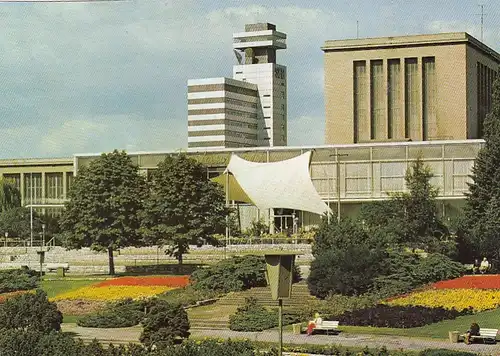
{"x": 230, "y": 302}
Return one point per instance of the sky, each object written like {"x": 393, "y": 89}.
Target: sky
{"x": 92, "y": 77}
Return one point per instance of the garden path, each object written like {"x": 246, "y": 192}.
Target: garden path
{"x": 126, "y": 335}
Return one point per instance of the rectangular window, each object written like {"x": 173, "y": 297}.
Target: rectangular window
{"x": 361, "y": 128}
{"x": 395, "y": 122}
{"x": 429, "y": 120}
{"x": 54, "y": 185}
{"x": 411, "y": 99}
{"x": 33, "y": 188}
{"x": 15, "y": 178}
{"x": 485, "y": 79}
{"x": 377, "y": 122}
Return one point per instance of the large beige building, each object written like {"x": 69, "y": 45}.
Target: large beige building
{"x": 418, "y": 88}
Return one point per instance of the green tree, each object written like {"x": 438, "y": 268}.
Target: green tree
{"x": 349, "y": 271}
{"x": 30, "y": 312}
{"x": 183, "y": 207}
{"x": 103, "y": 208}
{"x": 17, "y": 222}
{"x": 481, "y": 214}
{"x": 10, "y": 196}
{"x": 411, "y": 218}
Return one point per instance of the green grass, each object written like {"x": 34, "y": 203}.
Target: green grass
{"x": 71, "y": 319}
{"x": 56, "y": 287}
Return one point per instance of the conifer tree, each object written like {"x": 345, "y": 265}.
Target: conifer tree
{"x": 481, "y": 224}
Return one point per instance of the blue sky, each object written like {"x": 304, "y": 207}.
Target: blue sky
{"x": 81, "y": 78}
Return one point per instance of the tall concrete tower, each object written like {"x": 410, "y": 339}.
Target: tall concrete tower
{"x": 259, "y": 43}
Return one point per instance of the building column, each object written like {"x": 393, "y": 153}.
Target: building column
{"x": 43, "y": 189}
{"x": 65, "y": 185}
{"x": 23, "y": 203}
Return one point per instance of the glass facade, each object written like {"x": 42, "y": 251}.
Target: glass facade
{"x": 430, "y": 130}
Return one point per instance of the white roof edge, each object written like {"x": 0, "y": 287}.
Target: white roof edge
{"x": 289, "y": 148}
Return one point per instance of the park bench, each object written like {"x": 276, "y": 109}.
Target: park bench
{"x": 488, "y": 336}
{"x": 328, "y": 326}
{"x": 54, "y": 266}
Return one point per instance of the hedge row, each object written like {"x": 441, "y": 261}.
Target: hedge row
{"x": 397, "y": 316}
{"x": 22, "y": 343}
{"x": 18, "y": 279}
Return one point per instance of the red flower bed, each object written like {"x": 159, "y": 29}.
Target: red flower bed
{"x": 171, "y": 281}
{"x": 470, "y": 282}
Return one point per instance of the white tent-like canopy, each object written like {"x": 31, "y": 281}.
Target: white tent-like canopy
{"x": 284, "y": 184}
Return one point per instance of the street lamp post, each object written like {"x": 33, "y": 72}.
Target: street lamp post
{"x": 6, "y": 236}
{"x": 337, "y": 163}
{"x": 43, "y": 234}
{"x": 31, "y": 209}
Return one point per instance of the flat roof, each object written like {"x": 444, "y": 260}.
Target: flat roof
{"x": 408, "y": 41}
{"x": 36, "y": 161}
{"x": 296, "y": 148}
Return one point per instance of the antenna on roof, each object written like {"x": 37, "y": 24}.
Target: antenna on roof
{"x": 482, "y": 20}
{"x": 357, "y": 29}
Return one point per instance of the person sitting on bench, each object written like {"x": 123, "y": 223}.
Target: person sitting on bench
{"x": 473, "y": 331}
{"x": 475, "y": 266}
{"x": 312, "y": 324}
{"x": 485, "y": 265}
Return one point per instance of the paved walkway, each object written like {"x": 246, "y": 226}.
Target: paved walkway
{"x": 126, "y": 335}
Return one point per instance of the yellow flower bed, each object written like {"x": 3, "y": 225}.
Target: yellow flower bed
{"x": 478, "y": 299}
{"x": 112, "y": 292}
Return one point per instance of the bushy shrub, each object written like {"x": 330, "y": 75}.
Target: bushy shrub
{"x": 337, "y": 304}
{"x": 18, "y": 279}
{"x": 120, "y": 315}
{"x": 164, "y": 324}
{"x": 30, "y": 312}
{"x": 347, "y": 271}
{"x": 397, "y": 316}
{"x": 254, "y": 317}
{"x": 234, "y": 274}
{"x": 406, "y": 271}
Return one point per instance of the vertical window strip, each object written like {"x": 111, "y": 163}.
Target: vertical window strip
{"x": 411, "y": 97}
{"x": 394, "y": 98}
{"x": 429, "y": 120}
{"x": 360, "y": 107}
{"x": 377, "y": 122}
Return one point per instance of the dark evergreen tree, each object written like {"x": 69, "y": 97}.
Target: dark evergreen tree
{"x": 481, "y": 221}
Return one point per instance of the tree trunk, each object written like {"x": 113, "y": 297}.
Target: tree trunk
{"x": 111, "y": 261}
{"x": 179, "y": 258}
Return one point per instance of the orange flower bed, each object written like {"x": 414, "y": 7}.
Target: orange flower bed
{"x": 169, "y": 281}
{"x": 491, "y": 281}
{"x": 5, "y": 296}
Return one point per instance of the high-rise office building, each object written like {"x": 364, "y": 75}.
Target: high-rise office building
{"x": 249, "y": 110}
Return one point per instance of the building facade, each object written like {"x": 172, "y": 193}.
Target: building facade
{"x": 43, "y": 183}
{"x": 418, "y": 88}
{"x": 222, "y": 112}
{"x": 248, "y": 110}
{"x": 366, "y": 172}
